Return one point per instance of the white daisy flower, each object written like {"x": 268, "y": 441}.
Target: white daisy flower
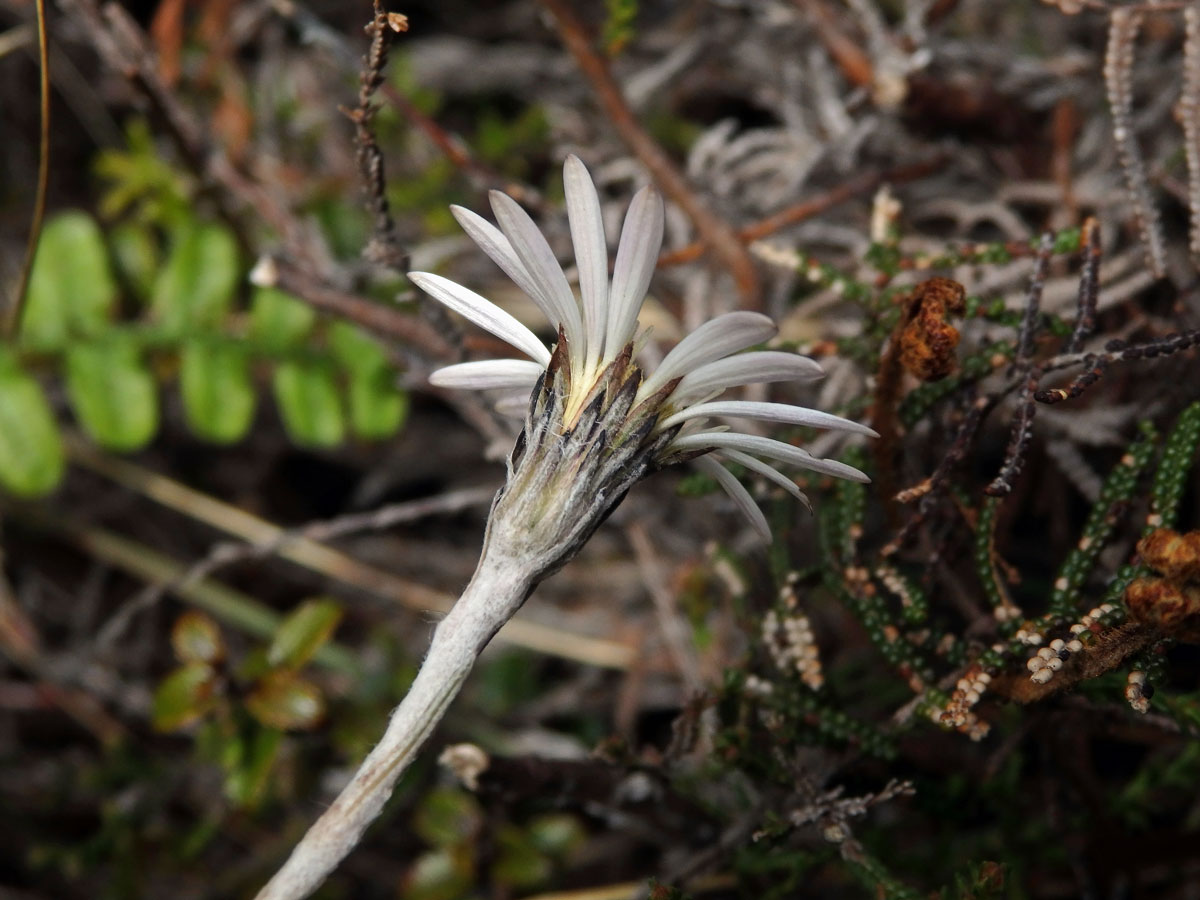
{"x": 672, "y": 409}
{"x": 595, "y": 425}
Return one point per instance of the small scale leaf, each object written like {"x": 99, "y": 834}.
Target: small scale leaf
{"x": 309, "y": 404}
{"x": 184, "y": 696}
{"x": 194, "y": 289}
{"x": 114, "y": 396}
{"x": 32, "y": 459}
{"x": 378, "y": 408}
{"x": 279, "y": 320}
{"x": 218, "y": 393}
{"x": 71, "y": 285}
{"x": 197, "y": 638}
{"x": 303, "y": 633}
{"x": 284, "y": 701}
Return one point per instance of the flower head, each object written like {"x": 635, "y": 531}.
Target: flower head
{"x": 596, "y": 423}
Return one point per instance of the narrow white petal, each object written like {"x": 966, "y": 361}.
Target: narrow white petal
{"x": 531, "y": 247}
{"x": 483, "y": 312}
{"x": 767, "y": 471}
{"x": 488, "y": 374}
{"x": 740, "y": 496}
{"x": 745, "y": 368}
{"x": 767, "y": 412}
{"x": 770, "y": 448}
{"x": 491, "y": 240}
{"x": 637, "y": 254}
{"x": 715, "y": 339}
{"x": 591, "y": 253}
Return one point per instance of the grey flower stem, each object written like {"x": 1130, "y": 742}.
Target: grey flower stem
{"x": 497, "y": 590}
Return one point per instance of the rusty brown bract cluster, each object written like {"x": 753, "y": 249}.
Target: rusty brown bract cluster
{"x": 927, "y": 340}
{"x": 1169, "y": 601}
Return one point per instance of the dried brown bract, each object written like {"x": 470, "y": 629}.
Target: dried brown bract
{"x": 1170, "y": 603}
{"x": 927, "y": 340}
{"x": 1175, "y": 556}
{"x": 1172, "y": 607}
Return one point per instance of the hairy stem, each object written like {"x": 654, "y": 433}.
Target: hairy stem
{"x": 499, "y": 587}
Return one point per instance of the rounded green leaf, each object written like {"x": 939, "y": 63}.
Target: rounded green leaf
{"x": 136, "y": 254}
{"x": 195, "y": 637}
{"x": 309, "y": 404}
{"x": 377, "y": 406}
{"x": 303, "y": 632}
{"x": 355, "y": 349}
{"x": 218, "y": 393}
{"x": 283, "y": 701}
{"x": 194, "y": 289}
{"x": 71, "y": 285}
{"x": 279, "y": 320}
{"x": 31, "y": 450}
{"x": 114, "y": 397}
{"x": 184, "y": 696}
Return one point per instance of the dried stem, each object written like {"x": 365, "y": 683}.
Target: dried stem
{"x": 12, "y": 319}
{"x": 814, "y": 206}
{"x": 1125, "y": 23}
{"x": 718, "y": 235}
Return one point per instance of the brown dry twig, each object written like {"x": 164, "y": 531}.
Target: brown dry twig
{"x": 716, "y": 234}
{"x": 814, "y": 206}
{"x": 384, "y": 245}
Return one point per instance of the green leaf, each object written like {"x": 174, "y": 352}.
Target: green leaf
{"x": 447, "y": 873}
{"x": 137, "y": 256}
{"x": 247, "y": 781}
{"x": 195, "y": 289}
{"x": 115, "y": 398}
{"x": 519, "y": 863}
{"x": 377, "y": 406}
{"x": 278, "y": 320}
{"x": 195, "y": 637}
{"x": 284, "y": 701}
{"x": 447, "y": 817}
{"x": 355, "y": 349}
{"x": 309, "y": 404}
{"x": 218, "y": 394}
{"x": 31, "y": 450}
{"x": 184, "y": 696}
{"x": 303, "y": 632}
{"x": 71, "y": 285}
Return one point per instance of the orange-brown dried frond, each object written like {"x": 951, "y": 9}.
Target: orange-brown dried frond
{"x": 927, "y": 340}
{"x": 1174, "y": 555}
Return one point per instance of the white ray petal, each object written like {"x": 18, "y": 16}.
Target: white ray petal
{"x": 591, "y": 253}
{"x": 745, "y": 368}
{"x": 483, "y": 312}
{"x": 767, "y": 412}
{"x": 491, "y": 240}
{"x": 768, "y": 447}
{"x": 715, "y": 339}
{"x": 488, "y": 374}
{"x": 637, "y": 254}
{"x": 767, "y": 471}
{"x": 531, "y": 247}
{"x": 740, "y": 496}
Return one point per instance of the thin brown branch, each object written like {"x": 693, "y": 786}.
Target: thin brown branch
{"x": 716, "y": 234}
{"x": 813, "y": 206}
{"x": 384, "y": 247}
{"x": 287, "y": 276}
{"x": 12, "y": 320}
